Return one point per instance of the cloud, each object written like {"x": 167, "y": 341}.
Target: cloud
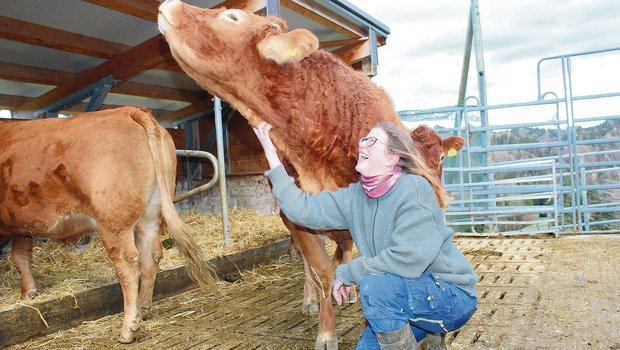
{"x": 421, "y": 64}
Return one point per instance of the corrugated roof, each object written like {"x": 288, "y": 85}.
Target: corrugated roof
{"x": 29, "y": 67}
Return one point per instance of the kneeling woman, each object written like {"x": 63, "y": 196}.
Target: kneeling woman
{"x": 413, "y": 280}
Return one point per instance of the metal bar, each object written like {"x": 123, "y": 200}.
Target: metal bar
{"x": 555, "y": 204}
{"x": 273, "y": 8}
{"x": 500, "y": 222}
{"x": 598, "y": 141}
{"x": 96, "y": 100}
{"x": 571, "y": 146}
{"x": 200, "y": 189}
{"x": 222, "y": 166}
{"x": 466, "y": 59}
{"x": 583, "y": 53}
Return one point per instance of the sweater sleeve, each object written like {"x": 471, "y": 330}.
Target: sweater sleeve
{"x": 321, "y": 211}
{"x": 413, "y": 246}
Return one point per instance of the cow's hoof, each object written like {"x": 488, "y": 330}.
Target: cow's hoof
{"x": 311, "y": 308}
{"x": 293, "y": 255}
{"x": 145, "y": 312}
{"x": 331, "y": 343}
{"x": 127, "y": 338}
{"x": 29, "y": 295}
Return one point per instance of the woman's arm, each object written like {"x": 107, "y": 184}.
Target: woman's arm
{"x": 262, "y": 132}
{"x": 324, "y": 210}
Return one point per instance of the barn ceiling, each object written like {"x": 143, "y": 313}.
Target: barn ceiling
{"x": 54, "y": 52}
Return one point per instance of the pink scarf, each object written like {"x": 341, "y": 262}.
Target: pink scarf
{"x": 377, "y": 186}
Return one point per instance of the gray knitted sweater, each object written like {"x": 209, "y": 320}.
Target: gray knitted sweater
{"x": 402, "y": 232}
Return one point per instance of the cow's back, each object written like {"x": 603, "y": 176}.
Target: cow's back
{"x": 73, "y": 171}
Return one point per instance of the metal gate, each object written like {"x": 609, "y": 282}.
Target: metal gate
{"x": 558, "y": 172}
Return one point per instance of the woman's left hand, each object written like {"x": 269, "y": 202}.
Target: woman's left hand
{"x": 340, "y": 291}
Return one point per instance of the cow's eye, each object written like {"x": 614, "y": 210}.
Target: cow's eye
{"x": 233, "y": 16}
{"x": 276, "y": 26}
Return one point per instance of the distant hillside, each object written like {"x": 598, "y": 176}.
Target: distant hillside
{"x": 607, "y": 130}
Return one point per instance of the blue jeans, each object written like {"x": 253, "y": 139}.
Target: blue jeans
{"x": 430, "y": 305}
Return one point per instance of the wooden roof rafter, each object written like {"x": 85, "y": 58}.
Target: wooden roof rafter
{"x": 44, "y": 76}
{"x": 122, "y": 67}
{"x": 326, "y": 18}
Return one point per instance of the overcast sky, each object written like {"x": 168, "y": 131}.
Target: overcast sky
{"x": 420, "y": 67}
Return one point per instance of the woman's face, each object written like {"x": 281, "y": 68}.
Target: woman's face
{"x": 373, "y": 158}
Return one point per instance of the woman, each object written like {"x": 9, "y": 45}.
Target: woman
{"x": 413, "y": 280}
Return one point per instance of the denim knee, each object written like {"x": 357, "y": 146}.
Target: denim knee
{"x": 384, "y": 302}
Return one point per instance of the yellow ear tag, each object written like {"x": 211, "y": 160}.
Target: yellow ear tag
{"x": 451, "y": 152}
{"x": 291, "y": 52}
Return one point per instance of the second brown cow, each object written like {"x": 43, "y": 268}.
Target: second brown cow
{"x": 319, "y": 108}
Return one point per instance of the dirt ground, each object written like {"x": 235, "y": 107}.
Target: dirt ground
{"x": 534, "y": 293}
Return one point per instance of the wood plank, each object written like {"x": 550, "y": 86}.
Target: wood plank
{"x": 36, "y": 75}
{"x": 146, "y": 9}
{"x": 10, "y": 102}
{"x": 337, "y": 43}
{"x": 330, "y": 20}
{"x": 353, "y": 53}
{"x": 36, "y": 34}
{"x": 122, "y": 67}
{"x": 194, "y": 108}
{"x": 23, "y": 323}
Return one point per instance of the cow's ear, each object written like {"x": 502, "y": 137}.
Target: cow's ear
{"x": 288, "y": 47}
{"x": 452, "y": 144}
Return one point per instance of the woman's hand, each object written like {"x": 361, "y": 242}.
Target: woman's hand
{"x": 262, "y": 132}
{"x": 340, "y": 291}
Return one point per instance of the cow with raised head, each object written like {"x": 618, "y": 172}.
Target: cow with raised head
{"x": 318, "y": 106}
{"x": 111, "y": 172}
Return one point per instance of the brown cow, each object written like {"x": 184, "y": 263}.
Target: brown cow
{"x": 319, "y": 108}
{"x": 110, "y": 171}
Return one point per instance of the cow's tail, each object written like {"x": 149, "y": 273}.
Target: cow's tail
{"x": 197, "y": 266}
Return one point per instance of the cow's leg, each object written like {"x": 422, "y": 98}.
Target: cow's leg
{"x": 148, "y": 242}
{"x": 321, "y": 272}
{"x": 310, "y": 305}
{"x": 293, "y": 250}
{"x": 343, "y": 255}
{"x": 21, "y": 256}
{"x": 121, "y": 249}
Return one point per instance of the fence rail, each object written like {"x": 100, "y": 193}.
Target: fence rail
{"x": 569, "y": 181}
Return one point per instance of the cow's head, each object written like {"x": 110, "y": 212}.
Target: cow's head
{"x": 433, "y": 148}
{"x": 222, "y": 44}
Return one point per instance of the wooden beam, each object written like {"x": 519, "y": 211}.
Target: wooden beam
{"x": 36, "y": 75}
{"x": 122, "y": 67}
{"x": 36, "y": 34}
{"x": 146, "y": 9}
{"x": 330, "y": 20}
{"x": 337, "y": 43}
{"x": 353, "y": 53}
{"x": 11, "y": 101}
{"x": 194, "y": 108}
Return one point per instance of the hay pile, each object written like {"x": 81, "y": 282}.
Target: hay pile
{"x": 59, "y": 270}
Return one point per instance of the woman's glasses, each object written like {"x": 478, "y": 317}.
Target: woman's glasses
{"x": 369, "y": 140}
